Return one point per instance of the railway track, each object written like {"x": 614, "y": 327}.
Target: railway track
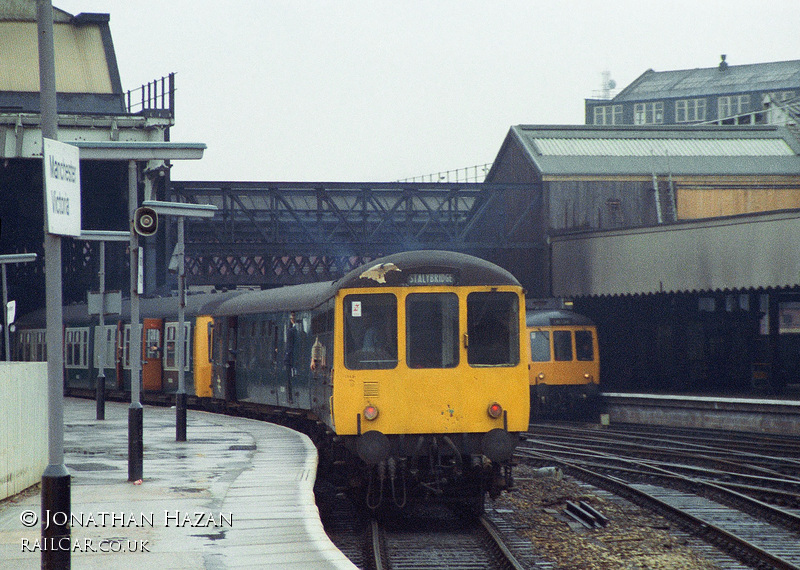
{"x": 440, "y": 542}
{"x": 423, "y": 537}
{"x": 742, "y": 498}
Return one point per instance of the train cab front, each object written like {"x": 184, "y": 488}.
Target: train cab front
{"x": 393, "y": 469}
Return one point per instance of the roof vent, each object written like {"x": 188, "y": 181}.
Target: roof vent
{"x": 723, "y": 65}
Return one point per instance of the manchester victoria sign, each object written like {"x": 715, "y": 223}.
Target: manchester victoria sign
{"x": 62, "y": 179}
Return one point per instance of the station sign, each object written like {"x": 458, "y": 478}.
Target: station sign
{"x": 62, "y": 187}
{"x": 109, "y": 302}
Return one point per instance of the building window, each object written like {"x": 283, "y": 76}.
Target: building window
{"x": 608, "y": 115}
{"x": 648, "y": 113}
{"x": 733, "y": 105}
{"x": 777, "y": 97}
{"x": 690, "y": 110}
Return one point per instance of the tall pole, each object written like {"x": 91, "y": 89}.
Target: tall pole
{"x": 55, "y": 479}
{"x": 181, "y": 210}
{"x": 100, "y": 388}
{"x": 6, "y": 338}
{"x": 180, "y": 397}
{"x": 135, "y": 411}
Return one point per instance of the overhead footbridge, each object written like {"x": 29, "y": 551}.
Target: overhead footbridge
{"x": 270, "y": 234}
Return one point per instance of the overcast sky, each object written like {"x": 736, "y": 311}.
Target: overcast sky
{"x": 372, "y": 90}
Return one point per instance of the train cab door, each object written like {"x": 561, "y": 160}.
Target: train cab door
{"x": 153, "y": 355}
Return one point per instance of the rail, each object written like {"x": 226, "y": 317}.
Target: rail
{"x": 681, "y": 483}
{"x": 476, "y": 173}
{"x": 155, "y": 98}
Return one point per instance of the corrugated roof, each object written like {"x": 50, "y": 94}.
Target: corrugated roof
{"x": 673, "y": 147}
{"x": 708, "y": 150}
{"x": 773, "y": 76}
{"x": 79, "y": 53}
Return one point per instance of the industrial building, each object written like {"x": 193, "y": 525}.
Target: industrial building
{"x": 761, "y": 93}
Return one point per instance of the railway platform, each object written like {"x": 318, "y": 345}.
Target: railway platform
{"x": 754, "y": 415}
{"x": 237, "y": 494}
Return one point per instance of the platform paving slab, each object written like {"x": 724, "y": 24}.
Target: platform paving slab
{"x": 237, "y": 494}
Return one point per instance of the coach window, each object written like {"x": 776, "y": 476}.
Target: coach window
{"x": 540, "y": 346}
{"x": 370, "y": 331}
{"x": 492, "y": 329}
{"x": 584, "y": 346}
{"x": 171, "y": 346}
{"x": 562, "y": 345}
{"x": 432, "y": 330}
{"x": 76, "y": 343}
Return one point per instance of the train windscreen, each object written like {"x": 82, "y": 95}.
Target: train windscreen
{"x": 370, "y": 331}
{"x": 493, "y": 329}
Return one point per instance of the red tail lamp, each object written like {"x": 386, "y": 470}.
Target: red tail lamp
{"x": 495, "y": 410}
{"x": 370, "y": 412}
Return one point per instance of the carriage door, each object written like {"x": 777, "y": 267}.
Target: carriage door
{"x": 153, "y": 352}
{"x": 230, "y": 356}
{"x": 218, "y": 369}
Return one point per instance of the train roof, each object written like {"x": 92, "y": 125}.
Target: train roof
{"x": 397, "y": 269}
{"x": 155, "y": 307}
{"x": 549, "y": 318}
{"x": 424, "y": 267}
{"x": 290, "y": 298}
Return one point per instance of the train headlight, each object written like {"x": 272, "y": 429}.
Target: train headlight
{"x": 495, "y": 410}
{"x": 541, "y": 376}
{"x": 370, "y": 412}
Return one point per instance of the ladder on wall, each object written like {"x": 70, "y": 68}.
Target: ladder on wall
{"x": 669, "y": 211}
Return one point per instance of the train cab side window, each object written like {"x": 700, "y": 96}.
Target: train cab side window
{"x": 540, "y": 346}
{"x": 432, "y": 330}
{"x": 370, "y": 331}
{"x": 562, "y": 345}
{"x": 493, "y": 329}
{"x": 583, "y": 346}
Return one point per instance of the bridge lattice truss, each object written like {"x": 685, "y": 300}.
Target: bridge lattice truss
{"x": 279, "y": 233}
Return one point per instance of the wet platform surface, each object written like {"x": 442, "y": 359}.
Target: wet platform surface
{"x": 237, "y": 494}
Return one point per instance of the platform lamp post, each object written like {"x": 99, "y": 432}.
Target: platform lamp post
{"x": 181, "y": 211}
{"x": 56, "y": 480}
{"x": 5, "y": 260}
{"x": 102, "y": 237}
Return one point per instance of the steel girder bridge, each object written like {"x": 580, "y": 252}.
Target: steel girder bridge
{"x": 269, "y": 234}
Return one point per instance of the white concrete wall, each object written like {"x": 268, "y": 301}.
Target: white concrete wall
{"x": 23, "y": 425}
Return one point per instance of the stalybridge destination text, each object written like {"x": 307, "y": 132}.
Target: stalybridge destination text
{"x": 111, "y": 519}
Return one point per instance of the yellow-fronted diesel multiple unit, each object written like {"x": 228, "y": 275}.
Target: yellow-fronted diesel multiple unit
{"x": 411, "y": 371}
